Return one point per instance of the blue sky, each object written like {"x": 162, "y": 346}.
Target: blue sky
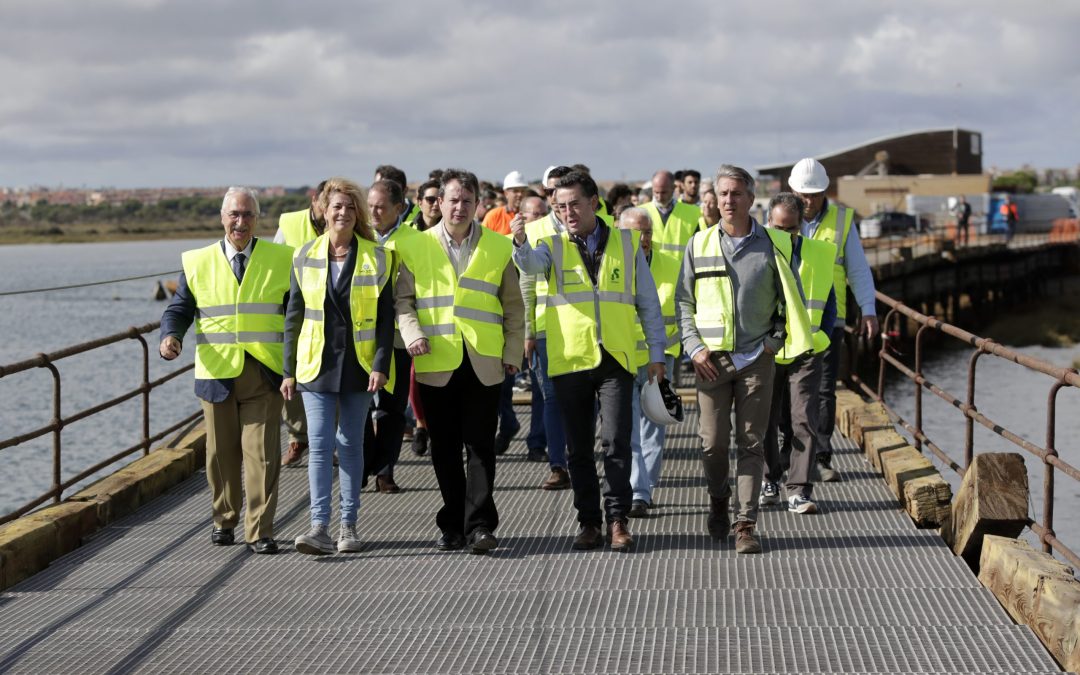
{"x": 146, "y": 92}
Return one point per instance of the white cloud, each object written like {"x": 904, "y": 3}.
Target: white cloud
{"x": 144, "y": 92}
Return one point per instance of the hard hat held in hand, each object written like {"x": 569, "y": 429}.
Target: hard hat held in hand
{"x": 808, "y": 176}
{"x": 660, "y": 404}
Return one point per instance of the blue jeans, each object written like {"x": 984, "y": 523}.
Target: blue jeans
{"x": 335, "y": 420}
{"x": 553, "y": 426}
{"x": 646, "y": 440}
{"x": 537, "y": 436}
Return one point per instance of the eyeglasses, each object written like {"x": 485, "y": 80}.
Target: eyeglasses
{"x": 237, "y": 215}
{"x": 549, "y": 191}
{"x": 431, "y": 200}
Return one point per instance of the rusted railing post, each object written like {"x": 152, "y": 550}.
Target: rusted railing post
{"x": 58, "y": 424}
{"x": 1048, "y": 468}
{"x": 919, "y": 384}
{"x": 969, "y": 407}
{"x": 145, "y": 390}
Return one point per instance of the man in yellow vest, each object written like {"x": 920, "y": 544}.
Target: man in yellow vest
{"x": 598, "y": 287}
{"x": 691, "y": 187}
{"x": 673, "y": 220}
{"x": 295, "y": 229}
{"x": 827, "y": 221}
{"x": 411, "y": 211}
{"x": 647, "y": 438}
{"x": 739, "y": 305}
{"x": 461, "y": 316}
{"x": 794, "y": 409}
{"x": 235, "y": 292}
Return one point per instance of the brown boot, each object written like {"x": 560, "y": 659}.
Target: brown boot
{"x": 588, "y": 537}
{"x": 386, "y": 485}
{"x": 558, "y": 480}
{"x": 619, "y": 536}
{"x": 719, "y": 522}
{"x": 294, "y": 453}
{"x": 745, "y": 540}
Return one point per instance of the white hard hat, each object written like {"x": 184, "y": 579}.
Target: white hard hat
{"x": 808, "y": 176}
{"x": 547, "y": 173}
{"x": 514, "y": 179}
{"x": 660, "y": 404}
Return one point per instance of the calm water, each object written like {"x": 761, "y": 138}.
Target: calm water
{"x": 48, "y": 321}
{"x": 1015, "y": 398}
{"x": 45, "y": 322}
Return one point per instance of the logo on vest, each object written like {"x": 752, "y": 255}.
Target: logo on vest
{"x": 366, "y": 268}
{"x": 615, "y": 273}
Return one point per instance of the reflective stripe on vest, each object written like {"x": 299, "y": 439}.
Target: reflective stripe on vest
{"x": 673, "y": 235}
{"x": 231, "y": 318}
{"x": 580, "y": 315}
{"x": 827, "y": 230}
{"x": 452, "y": 309}
{"x": 297, "y": 228}
{"x": 370, "y": 275}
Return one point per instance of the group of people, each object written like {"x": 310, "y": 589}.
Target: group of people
{"x": 367, "y": 305}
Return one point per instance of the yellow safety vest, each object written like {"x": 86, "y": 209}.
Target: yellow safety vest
{"x": 297, "y": 228}
{"x": 535, "y": 230}
{"x": 815, "y": 273}
{"x": 369, "y": 277}
{"x": 665, "y": 273}
{"x": 233, "y": 318}
{"x": 681, "y": 224}
{"x": 827, "y": 230}
{"x": 452, "y": 309}
{"x": 580, "y": 315}
{"x": 411, "y": 217}
{"x": 714, "y": 315}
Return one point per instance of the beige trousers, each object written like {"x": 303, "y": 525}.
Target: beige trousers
{"x": 750, "y": 392}
{"x": 244, "y": 430}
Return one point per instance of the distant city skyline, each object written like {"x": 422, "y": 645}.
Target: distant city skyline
{"x": 147, "y": 93}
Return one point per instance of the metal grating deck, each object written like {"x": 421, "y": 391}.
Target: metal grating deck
{"x": 854, "y": 589}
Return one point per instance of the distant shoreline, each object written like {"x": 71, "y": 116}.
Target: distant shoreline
{"x": 84, "y": 234}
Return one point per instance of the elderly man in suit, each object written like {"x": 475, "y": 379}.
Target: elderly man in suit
{"x": 235, "y": 291}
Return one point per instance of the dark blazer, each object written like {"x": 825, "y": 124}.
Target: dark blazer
{"x": 340, "y": 370}
{"x": 179, "y": 316}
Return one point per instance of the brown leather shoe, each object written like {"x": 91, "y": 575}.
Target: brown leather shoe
{"x": 588, "y": 537}
{"x": 619, "y": 536}
{"x": 558, "y": 480}
{"x": 745, "y": 541}
{"x": 294, "y": 453}
{"x": 386, "y": 485}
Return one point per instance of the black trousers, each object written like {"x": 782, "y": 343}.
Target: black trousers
{"x": 577, "y": 394}
{"x": 382, "y": 447}
{"x": 827, "y": 397}
{"x": 463, "y": 413}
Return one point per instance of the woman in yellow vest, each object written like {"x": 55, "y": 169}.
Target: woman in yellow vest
{"x": 339, "y": 339}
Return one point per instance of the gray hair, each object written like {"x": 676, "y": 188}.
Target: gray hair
{"x": 735, "y": 173}
{"x": 634, "y": 212}
{"x": 241, "y": 191}
{"x": 789, "y": 201}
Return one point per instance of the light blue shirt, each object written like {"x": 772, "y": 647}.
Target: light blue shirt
{"x": 856, "y": 266}
{"x": 538, "y": 261}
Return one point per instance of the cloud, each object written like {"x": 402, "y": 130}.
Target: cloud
{"x": 140, "y": 92}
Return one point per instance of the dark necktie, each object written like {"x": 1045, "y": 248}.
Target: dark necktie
{"x": 238, "y": 266}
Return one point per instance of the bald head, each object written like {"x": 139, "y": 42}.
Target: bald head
{"x": 663, "y": 187}
{"x": 636, "y": 218}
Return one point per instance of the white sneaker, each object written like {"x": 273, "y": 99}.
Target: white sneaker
{"x": 770, "y": 494}
{"x": 315, "y": 542}
{"x": 800, "y": 504}
{"x": 347, "y": 541}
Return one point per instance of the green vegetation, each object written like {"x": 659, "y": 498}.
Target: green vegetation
{"x": 172, "y": 218}
{"x": 1018, "y": 182}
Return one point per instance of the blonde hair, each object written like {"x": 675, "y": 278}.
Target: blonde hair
{"x": 356, "y": 195}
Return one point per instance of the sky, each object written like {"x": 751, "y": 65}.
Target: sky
{"x": 142, "y": 93}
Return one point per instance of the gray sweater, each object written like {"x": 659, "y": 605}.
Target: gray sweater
{"x": 755, "y": 284}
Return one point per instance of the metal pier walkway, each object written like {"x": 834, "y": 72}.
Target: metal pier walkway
{"x": 854, "y": 589}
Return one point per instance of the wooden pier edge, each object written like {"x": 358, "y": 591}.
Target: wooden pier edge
{"x": 989, "y": 512}
{"x": 28, "y": 544}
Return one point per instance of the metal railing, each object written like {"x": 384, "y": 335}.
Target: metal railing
{"x": 1058, "y": 379}
{"x": 886, "y": 250}
{"x": 59, "y": 422}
